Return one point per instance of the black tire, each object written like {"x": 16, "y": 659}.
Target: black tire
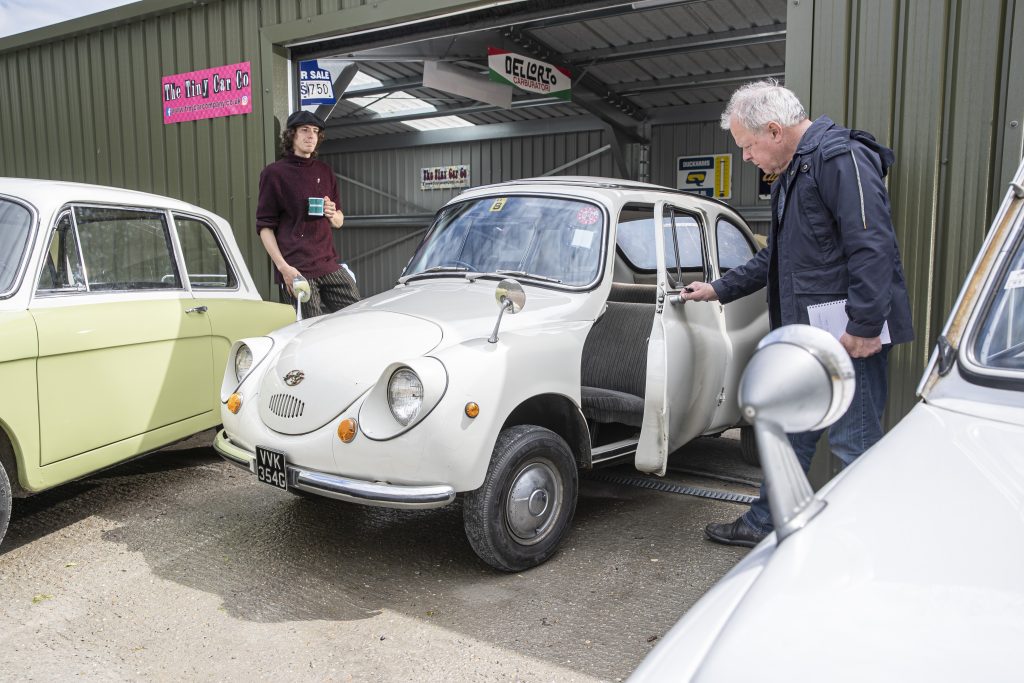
{"x": 526, "y": 457}
{"x": 5, "y": 501}
{"x": 748, "y": 447}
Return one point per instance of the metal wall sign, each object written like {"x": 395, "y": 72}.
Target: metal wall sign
{"x": 709, "y": 175}
{"x": 207, "y": 94}
{"x": 529, "y": 74}
{"x": 316, "y": 84}
{"x": 444, "y": 177}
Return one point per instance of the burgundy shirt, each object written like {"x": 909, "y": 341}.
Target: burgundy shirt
{"x": 306, "y": 242}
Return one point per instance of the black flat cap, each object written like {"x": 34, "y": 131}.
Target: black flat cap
{"x": 304, "y": 118}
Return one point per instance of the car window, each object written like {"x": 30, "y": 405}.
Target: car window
{"x": 554, "y": 238}
{"x": 733, "y": 247}
{"x": 62, "y": 263}
{"x": 635, "y": 239}
{"x": 205, "y": 262}
{"x": 683, "y": 253}
{"x": 999, "y": 343}
{"x": 126, "y": 249}
{"x": 15, "y": 230}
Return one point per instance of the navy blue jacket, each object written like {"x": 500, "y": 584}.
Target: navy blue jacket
{"x": 835, "y": 239}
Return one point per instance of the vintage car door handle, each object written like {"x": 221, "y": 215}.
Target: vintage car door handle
{"x": 196, "y": 309}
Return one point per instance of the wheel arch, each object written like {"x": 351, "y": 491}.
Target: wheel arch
{"x": 559, "y": 414}
{"x": 9, "y": 461}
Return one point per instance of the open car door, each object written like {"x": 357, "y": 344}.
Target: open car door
{"x": 688, "y": 348}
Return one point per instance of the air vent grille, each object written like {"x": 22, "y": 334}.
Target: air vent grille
{"x": 284, "y": 405}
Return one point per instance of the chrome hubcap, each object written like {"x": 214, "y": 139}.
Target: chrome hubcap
{"x": 534, "y": 502}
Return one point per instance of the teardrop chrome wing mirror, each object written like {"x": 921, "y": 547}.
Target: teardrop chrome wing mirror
{"x": 510, "y": 297}
{"x": 300, "y": 286}
{"x": 799, "y": 379}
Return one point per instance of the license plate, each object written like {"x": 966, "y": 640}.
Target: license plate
{"x": 270, "y": 468}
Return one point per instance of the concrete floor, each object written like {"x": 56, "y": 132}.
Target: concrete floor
{"x": 181, "y": 566}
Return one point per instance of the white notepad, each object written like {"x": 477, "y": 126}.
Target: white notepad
{"x": 832, "y": 318}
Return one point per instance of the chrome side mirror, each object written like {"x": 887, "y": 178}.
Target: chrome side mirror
{"x": 800, "y": 379}
{"x": 301, "y": 288}
{"x": 510, "y": 297}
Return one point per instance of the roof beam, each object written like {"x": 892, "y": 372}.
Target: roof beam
{"x": 450, "y": 111}
{"x": 453, "y": 136}
{"x": 706, "y": 41}
{"x": 700, "y": 81}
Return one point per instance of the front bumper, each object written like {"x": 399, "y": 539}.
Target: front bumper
{"x": 341, "y": 488}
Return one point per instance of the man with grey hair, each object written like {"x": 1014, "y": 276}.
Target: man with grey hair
{"x": 831, "y": 240}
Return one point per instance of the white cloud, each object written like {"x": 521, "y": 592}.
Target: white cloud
{"x": 17, "y": 16}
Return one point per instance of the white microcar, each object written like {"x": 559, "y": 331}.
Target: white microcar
{"x": 537, "y": 330}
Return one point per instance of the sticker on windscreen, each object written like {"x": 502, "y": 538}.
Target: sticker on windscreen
{"x": 499, "y": 204}
{"x": 588, "y": 215}
{"x": 582, "y": 238}
{"x": 1016, "y": 279}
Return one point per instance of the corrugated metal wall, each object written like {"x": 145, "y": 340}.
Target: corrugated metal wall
{"x": 87, "y": 108}
{"x": 378, "y": 249}
{"x": 930, "y": 80}
{"x": 669, "y": 142}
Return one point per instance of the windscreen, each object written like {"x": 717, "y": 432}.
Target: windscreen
{"x": 15, "y": 230}
{"x": 1000, "y": 340}
{"x": 552, "y": 238}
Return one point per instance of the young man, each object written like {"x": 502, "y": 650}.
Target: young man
{"x": 831, "y": 239}
{"x": 296, "y": 235}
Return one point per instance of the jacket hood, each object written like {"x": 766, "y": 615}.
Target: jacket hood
{"x": 824, "y": 127}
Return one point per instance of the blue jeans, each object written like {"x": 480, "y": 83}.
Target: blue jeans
{"x": 848, "y": 437}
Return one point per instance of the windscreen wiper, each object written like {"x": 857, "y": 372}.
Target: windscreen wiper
{"x": 531, "y": 276}
{"x": 431, "y": 270}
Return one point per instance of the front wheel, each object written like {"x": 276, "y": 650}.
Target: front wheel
{"x": 518, "y": 517}
{"x": 5, "y": 501}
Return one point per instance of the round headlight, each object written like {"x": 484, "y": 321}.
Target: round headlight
{"x": 243, "y": 362}
{"x": 405, "y": 395}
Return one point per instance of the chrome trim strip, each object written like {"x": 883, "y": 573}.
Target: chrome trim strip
{"x": 342, "y": 488}
{"x": 613, "y": 451}
{"x": 370, "y": 493}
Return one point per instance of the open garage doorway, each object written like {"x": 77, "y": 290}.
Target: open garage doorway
{"x": 421, "y": 112}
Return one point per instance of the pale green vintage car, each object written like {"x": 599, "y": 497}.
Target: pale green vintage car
{"x": 117, "y": 311}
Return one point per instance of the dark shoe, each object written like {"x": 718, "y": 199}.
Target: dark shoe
{"x": 736, "y": 533}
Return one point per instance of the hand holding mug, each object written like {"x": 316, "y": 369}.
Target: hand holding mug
{"x": 332, "y": 213}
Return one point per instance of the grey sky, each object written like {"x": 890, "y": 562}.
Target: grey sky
{"x": 17, "y": 16}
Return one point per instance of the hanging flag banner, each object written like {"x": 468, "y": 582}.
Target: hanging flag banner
{"x": 764, "y": 184}
{"x": 444, "y": 177}
{"x": 207, "y": 94}
{"x": 529, "y": 74}
{"x": 708, "y": 175}
{"x": 316, "y": 83}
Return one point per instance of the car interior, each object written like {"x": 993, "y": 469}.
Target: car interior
{"x": 614, "y": 364}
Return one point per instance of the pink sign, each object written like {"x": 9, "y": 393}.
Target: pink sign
{"x": 207, "y": 94}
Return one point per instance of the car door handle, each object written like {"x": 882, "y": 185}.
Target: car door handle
{"x": 196, "y": 309}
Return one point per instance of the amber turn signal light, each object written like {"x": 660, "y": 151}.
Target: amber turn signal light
{"x": 235, "y": 403}
{"x": 347, "y": 430}
{"x": 472, "y": 409}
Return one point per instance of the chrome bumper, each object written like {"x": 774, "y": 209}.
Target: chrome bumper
{"x": 351, "y": 490}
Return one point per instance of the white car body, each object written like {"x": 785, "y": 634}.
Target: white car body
{"x": 439, "y": 326}
{"x": 914, "y": 569}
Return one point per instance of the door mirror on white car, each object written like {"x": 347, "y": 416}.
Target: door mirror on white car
{"x": 800, "y": 379}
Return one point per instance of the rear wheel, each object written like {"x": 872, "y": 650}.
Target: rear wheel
{"x": 748, "y": 447}
{"x": 518, "y": 517}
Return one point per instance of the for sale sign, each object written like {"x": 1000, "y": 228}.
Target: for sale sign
{"x": 529, "y": 74}
{"x": 316, "y": 84}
